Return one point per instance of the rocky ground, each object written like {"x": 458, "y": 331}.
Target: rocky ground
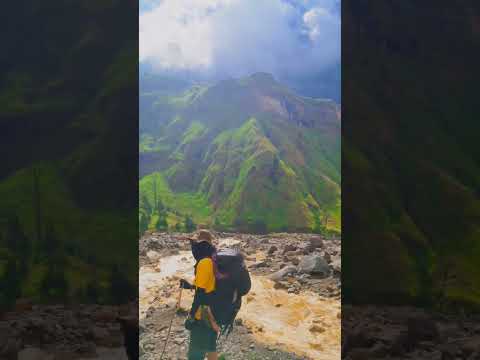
{"x": 55, "y": 332}
{"x": 303, "y": 268}
{"x": 373, "y": 332}
{"x": 296, "y": 262}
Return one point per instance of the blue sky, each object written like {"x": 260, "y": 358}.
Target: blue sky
{"x": 292, "y": 39}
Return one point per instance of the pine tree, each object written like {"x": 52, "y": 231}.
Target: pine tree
{"x": 145, "y": 204}
{"x": 162, "y": 224}
{"x": 275, "y": 170}
{"x": 190, "y": 226}
{"x": 17, "y": 242}
{"x": 92, "y": 292}
{"x": 55, "y": 285}
{"x": 51, "y": 244}
{"x": 143, "y": 223}
{"x": 121, "y": 291}
{"x": 37, "y": 206}
{"x": 10, "y": 284}
{"x": 159, "y": 206}
{"x": 217, "y": 224}
{"x": 318, "y": 228}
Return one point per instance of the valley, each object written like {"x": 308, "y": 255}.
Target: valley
{"x": 244, "y": 154}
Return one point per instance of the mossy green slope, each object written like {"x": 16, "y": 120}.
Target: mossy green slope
{"x": 259, "y": 156}
{"x": 416, "y": 167}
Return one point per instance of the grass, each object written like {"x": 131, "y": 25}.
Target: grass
{"x": 194, "y": 204}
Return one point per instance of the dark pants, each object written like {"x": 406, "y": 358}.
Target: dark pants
{"x": 203, "y": 340}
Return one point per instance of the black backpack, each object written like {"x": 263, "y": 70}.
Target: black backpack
{"x": 232, "y": 282}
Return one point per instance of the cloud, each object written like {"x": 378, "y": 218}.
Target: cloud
{"x": 238, "y": 37}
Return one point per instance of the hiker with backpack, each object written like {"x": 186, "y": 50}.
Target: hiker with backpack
{"x": 221, "y": 279}
{"x": 204, "y": 330}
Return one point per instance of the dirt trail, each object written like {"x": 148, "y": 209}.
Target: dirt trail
{"x": 304, "y": 324}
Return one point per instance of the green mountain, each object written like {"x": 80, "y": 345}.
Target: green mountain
{"x": 243, "y": 154}
{"x": 411, "y": 160}
{"x": 67, "y": 172}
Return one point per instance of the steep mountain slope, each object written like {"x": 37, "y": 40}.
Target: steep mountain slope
{"x": 411, "y": 160}
{"x": 67, "y": 111}
{"x": 254, "y": 153}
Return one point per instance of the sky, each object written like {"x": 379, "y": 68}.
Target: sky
{"x": 295, "y": 40}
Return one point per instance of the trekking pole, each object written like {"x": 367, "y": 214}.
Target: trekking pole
{"x": 171, "y": 322}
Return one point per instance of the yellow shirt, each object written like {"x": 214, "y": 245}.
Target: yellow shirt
{"x": 205, "y": 279}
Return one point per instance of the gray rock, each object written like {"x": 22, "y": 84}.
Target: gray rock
{"x": 272, "y": 249}
{"x": 280, "y": 274}
{"x": 314, "y": 264}
{"x": 289, "y": 247}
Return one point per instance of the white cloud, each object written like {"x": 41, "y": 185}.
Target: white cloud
{"x": 238, "y": 37}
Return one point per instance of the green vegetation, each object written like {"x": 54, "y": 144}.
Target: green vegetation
{"x": 210, "y": 159}
{"x": 48, "y": 244}
{"x": 64, "y": 200}
{"x": 416, "y": 164}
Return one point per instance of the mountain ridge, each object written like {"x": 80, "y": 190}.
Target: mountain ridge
{"x": 229, "y": 140}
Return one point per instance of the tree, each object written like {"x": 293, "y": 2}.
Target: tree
{"x": 319, "y": 227}
{"x": 159, "y": 206}
{"x": 143, "y": 223}
{"x": 259, "y": 227}
{"x": 162, "y": 224}
{"x": 10, "y": 284}
{"x": 92, "y": 292}
{"x": 51, "y": 243}
{"x": 55, "y": 285}
{"x": 190, "y": 226}
{"x": 275, "y": 170}
{"x": 37, "y": 206}
{"x": 17, "y": 242}
{"x": 217, "y": 225}
{"x": 145, "y": 204}
{"x": 121, "y": 291}
{"x": 178, "y": 227}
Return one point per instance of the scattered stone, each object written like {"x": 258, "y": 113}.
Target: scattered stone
{"x": 287, "y": 270}
{"x": 314, "y": 264}
{"x": 272, "y": 249}
{"x": 289, "y": 247}
{"x": 316, "y": 329}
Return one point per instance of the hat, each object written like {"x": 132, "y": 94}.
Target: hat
{"x": 202, "y": 235}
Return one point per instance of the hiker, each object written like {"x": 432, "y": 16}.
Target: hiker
{"x": 203, "y": 327}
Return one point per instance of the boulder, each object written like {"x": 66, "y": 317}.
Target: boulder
{"x": 314, "y": 264}
{"x": 336, "y": 265}
{"x": 315, "y": 243}
{"x": 280, "y": 274}
{"x": 272, "y": 249}
{"x": 289, "y": 247}
{"x": 153, "y": 256}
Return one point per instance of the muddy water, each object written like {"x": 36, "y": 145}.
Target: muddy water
{"x": 304, "y": 324}
{"x": 153, "y": 279}
{"x": 284, "y": 320}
